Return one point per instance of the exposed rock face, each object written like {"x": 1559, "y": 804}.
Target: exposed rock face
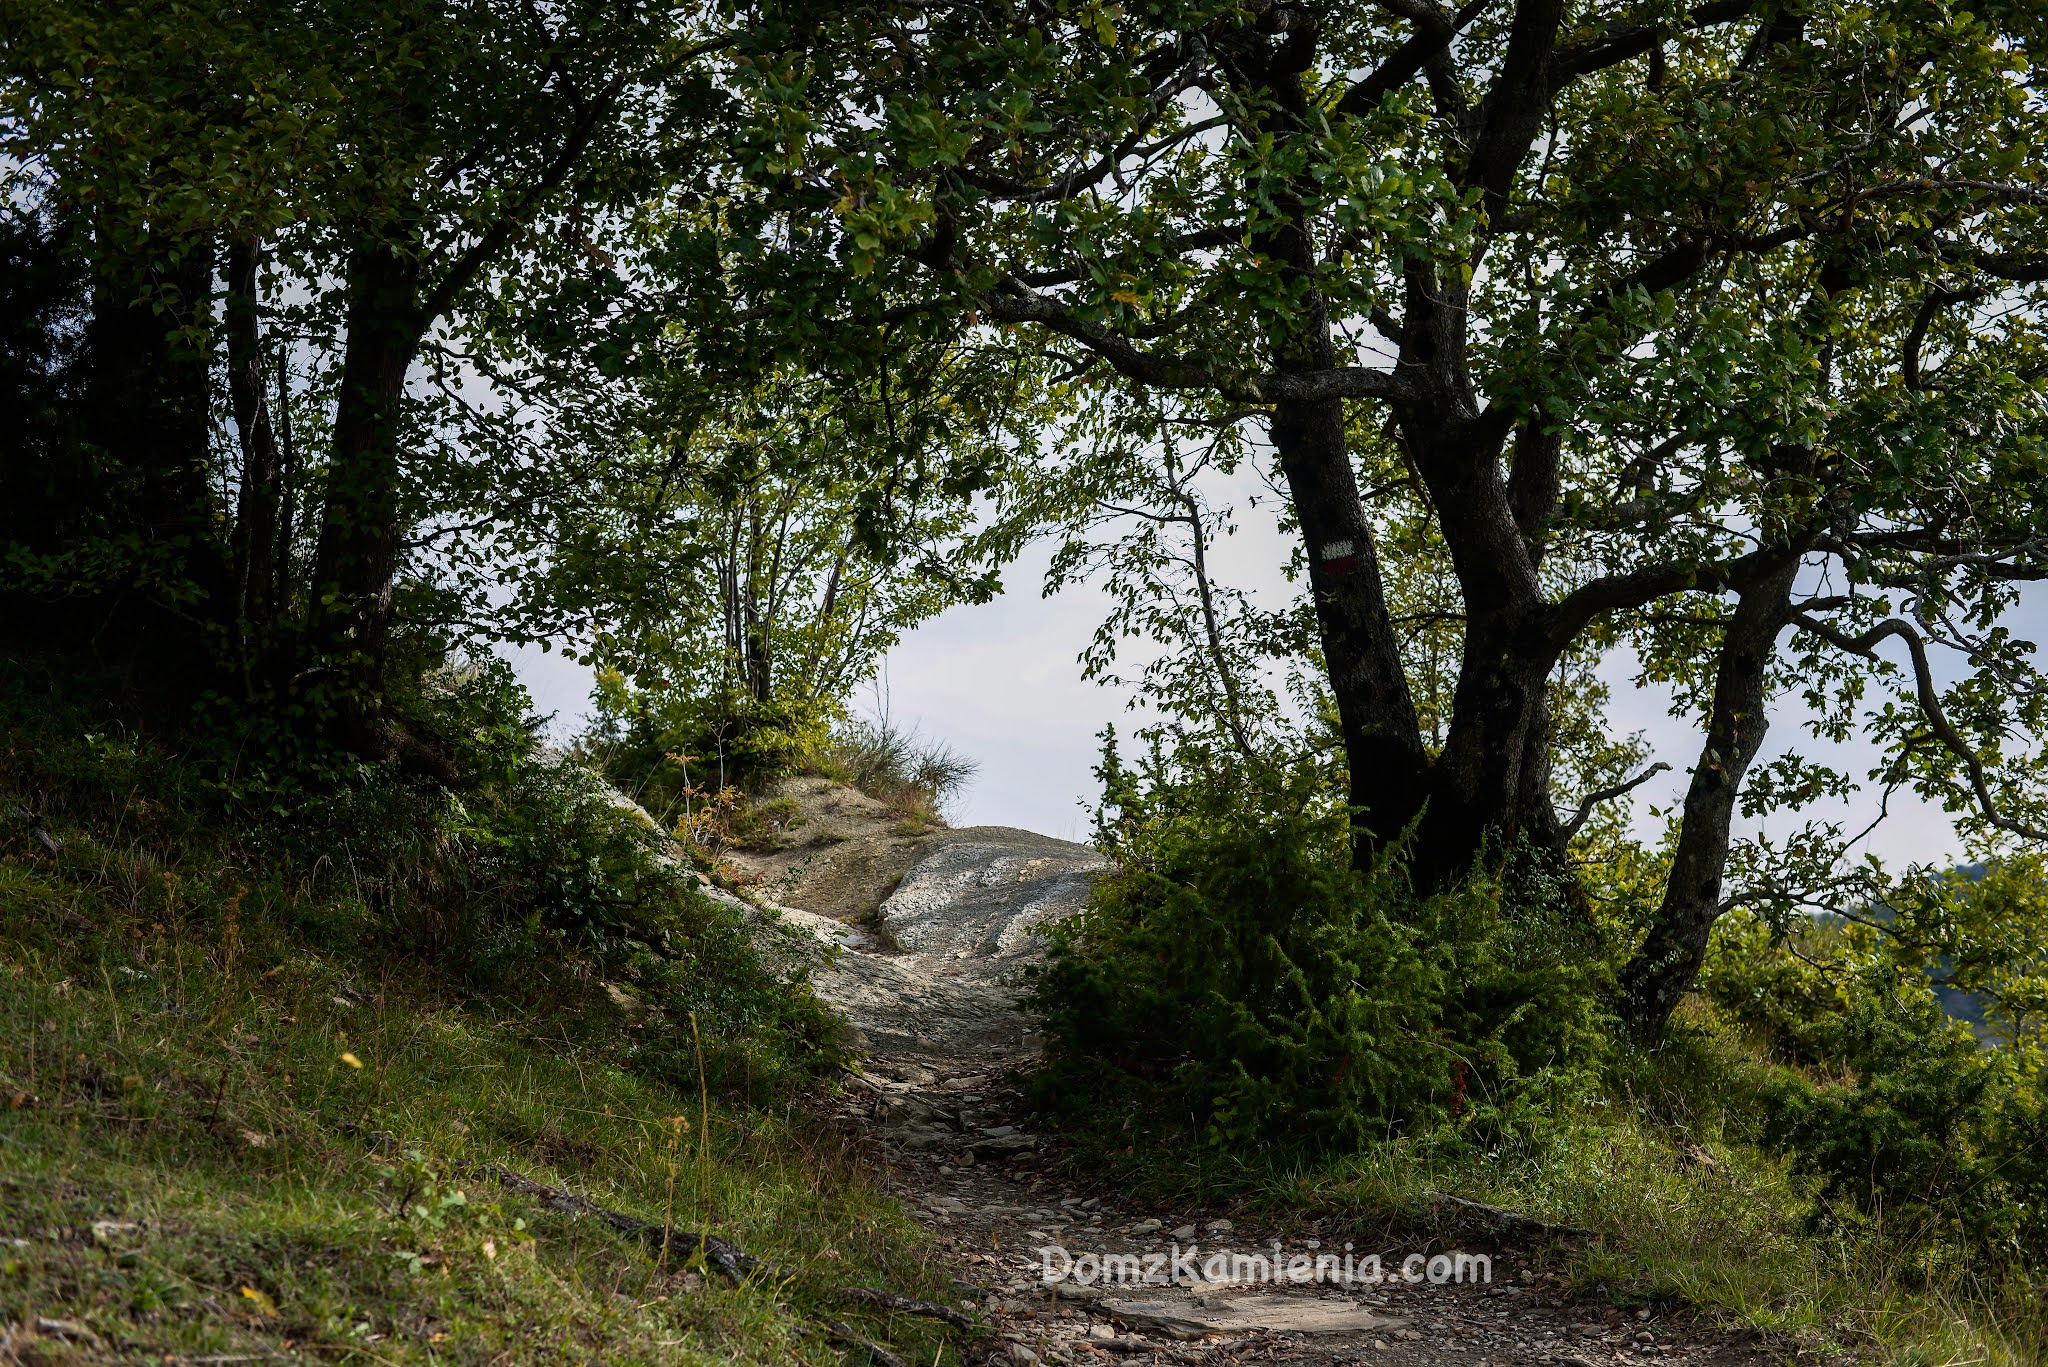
{"x": 933, "y": 984}
{"x": 981, "y": 897}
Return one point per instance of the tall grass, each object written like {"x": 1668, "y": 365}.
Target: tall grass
{"x": 915, "y": 774}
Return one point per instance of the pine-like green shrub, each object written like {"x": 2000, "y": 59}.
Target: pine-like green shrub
{"x": 1234, "y": 968}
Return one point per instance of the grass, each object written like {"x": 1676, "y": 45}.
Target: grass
{"x": 193, "y": 1167}
{"x": 246, "y": 1114}
{"x": 913, "y": 774}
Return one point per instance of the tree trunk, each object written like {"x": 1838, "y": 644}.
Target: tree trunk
{"x": 256, "y": 514}
{"x": 1375, "y": 712}
{"x": 1481, "y": 782}
{"x": 283, "y": 588}
{"x": 150, "y": 391}
{"x": 148, "y": 410}
{"x": 1361, "y": 656}
{"x": 357, "y": 557}
{"x": 1664, "y": 967}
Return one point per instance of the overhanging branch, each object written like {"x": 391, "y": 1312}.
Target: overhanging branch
{"x": 1594, "y": 799}
{"x": 1640, "y": 587}
{"x": 1016, "y": 302}
{"x": 1929, "y": 699}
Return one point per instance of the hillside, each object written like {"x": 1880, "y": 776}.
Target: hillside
{"x": 394, "y": 1076}
{"x": 349, "y": 1084}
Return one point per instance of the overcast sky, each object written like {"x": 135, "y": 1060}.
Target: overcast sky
{"x": 1000, "y": 682}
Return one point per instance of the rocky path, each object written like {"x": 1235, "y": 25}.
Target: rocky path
{"x": 929, "y": 974}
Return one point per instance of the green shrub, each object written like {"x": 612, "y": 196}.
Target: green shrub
{"x": 1235, "y": 968}
{"x": 1905, "y": 1116}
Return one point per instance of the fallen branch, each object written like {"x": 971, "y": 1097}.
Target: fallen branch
{"x": 719, "y": 1253}
{"x": 845, "y": 1334}
{"x": 910, "y": 1305}
{"x": 1508, "y": 1222}
{"x": 35, "y": 827}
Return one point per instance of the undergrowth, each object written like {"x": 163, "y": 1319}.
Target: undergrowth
{"x": 259, "y": 1071}
{"x": 1240, "y": 1018}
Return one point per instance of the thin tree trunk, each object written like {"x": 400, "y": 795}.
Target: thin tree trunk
{"x": 1664, "y": 967}
{"x": 256, "y": 514}
{"x": 150, "y": 387}
{"x": 283, "y": 582}
{"x": 356, "y": 561}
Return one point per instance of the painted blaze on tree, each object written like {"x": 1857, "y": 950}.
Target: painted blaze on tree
{"x": 1712, "y": 330}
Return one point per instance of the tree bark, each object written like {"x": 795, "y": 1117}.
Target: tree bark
{"x": 1481, "y": 787}
{"x": 1663, "y": 969}
{"x": 356, "y": 560}
{"x": 1361, "y": 655}
{"x": 256, "y": 513}
{"x": 148, "y": 410}
{"x": 151, "y": 392}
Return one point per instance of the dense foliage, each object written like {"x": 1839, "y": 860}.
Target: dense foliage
{"x": 1913, "y": 1031}
{"x": 1238, "y": 969}
{"x": 1712, "y": 331}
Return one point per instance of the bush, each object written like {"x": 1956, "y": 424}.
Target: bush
{"x": 1904, "y": 1115}
{"x": 675, "y": 754}
{"x": 1236, "y": 968}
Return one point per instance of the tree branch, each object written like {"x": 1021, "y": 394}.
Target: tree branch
{"x": 1623, "y": 42}
{"x": 1937, "y": 300}
{"x": 1016, "y": 302}
{"x": 1405, "y": 63}
{"x": 1930, "y": 706}
{"x": 1634, "y": 589}
{"x": 1079, "y": 179}
{"x": 1608, "y": 794}
{"x": 1208, "y": 239}
{"x": 1512, "y": 112}
{"x": 479, "y": 253}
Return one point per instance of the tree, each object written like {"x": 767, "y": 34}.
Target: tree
{"x": 1696, "y": 325}
{"x": 739, "y": 563}
{"x": 366, "y": 175}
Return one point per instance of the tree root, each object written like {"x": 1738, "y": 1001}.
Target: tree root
{"x": 728, "y": 1258}
{"x": 910, "y": 1305}
{"x": 881, "y": 1356}
{"x": 1509, "y": 1223}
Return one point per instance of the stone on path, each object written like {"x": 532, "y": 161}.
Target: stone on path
{"x": 933, "y": 988}
{"x": 1193, "y": 1316}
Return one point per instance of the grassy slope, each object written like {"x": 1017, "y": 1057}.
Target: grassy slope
{"x": 1688, "y": 1213}
{"x": 190, "y": 1165}
{"x": 210, "y": 1109}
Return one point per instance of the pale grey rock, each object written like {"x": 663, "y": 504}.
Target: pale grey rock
{"x": 932, "y": 988}
{"x": 1194, "y": 1316}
